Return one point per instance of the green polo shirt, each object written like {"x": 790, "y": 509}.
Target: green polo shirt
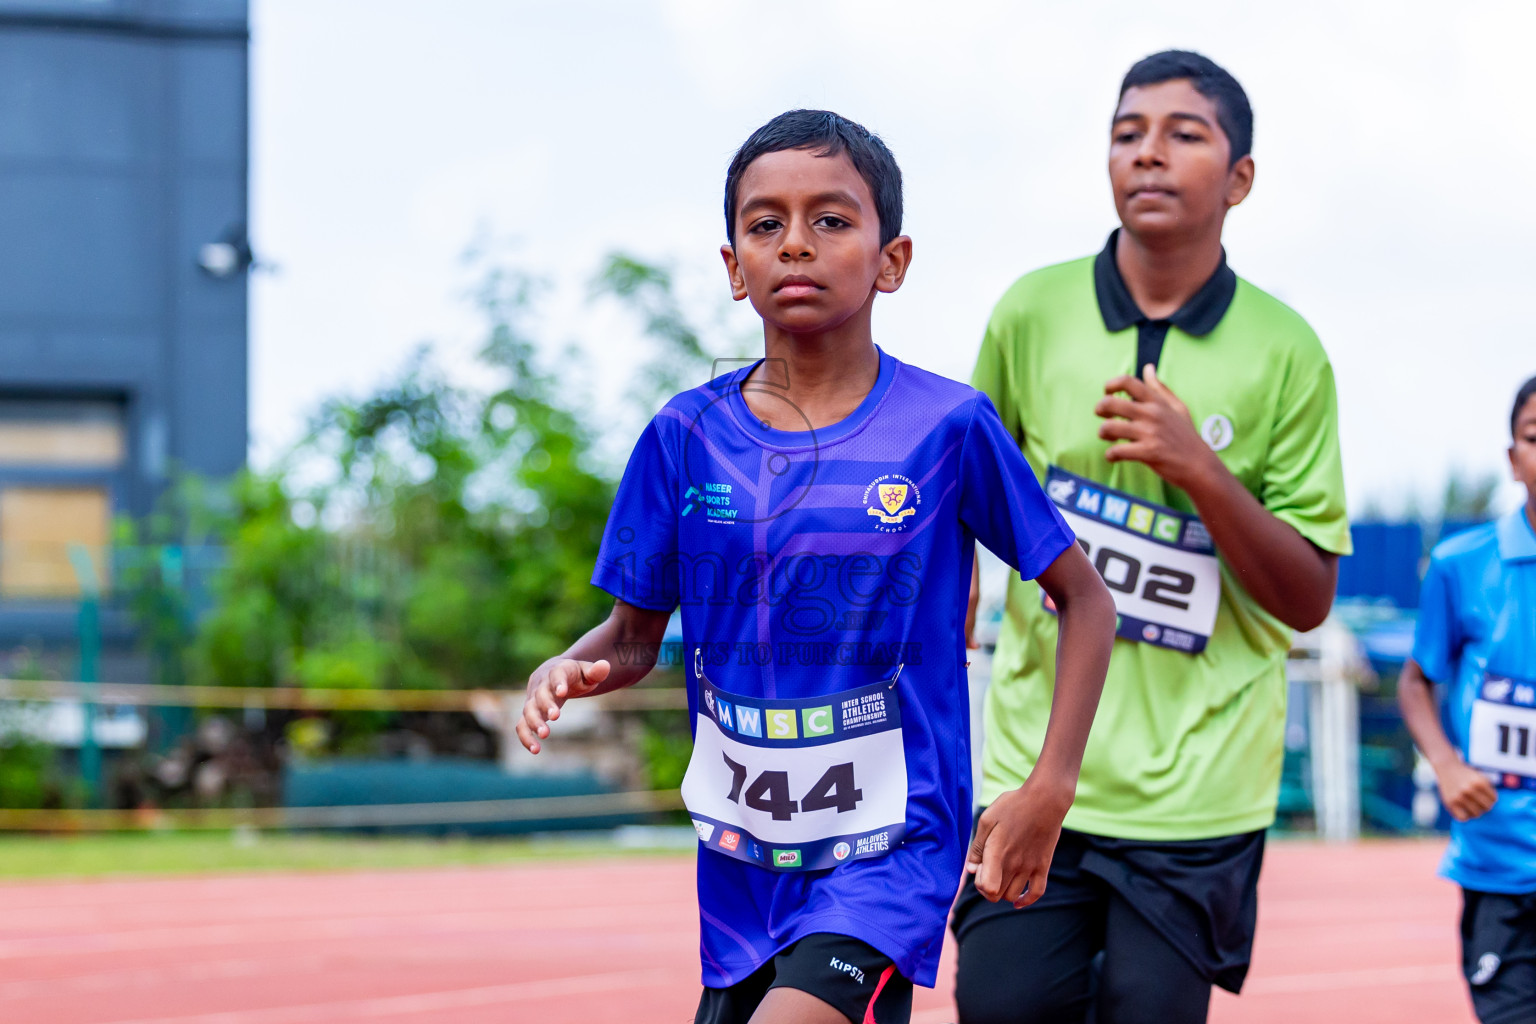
{"x": 1183, "y": 746}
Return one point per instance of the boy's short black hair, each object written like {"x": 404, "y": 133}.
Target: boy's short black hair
{"x": 825, "y": 134}
{"x": 1525, "y": 394}
{"x": 1210, "y": 80}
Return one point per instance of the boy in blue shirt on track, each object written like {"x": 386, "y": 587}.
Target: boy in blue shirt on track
{"x": 1476, "y": 639}
{"x": 814, "y": 516}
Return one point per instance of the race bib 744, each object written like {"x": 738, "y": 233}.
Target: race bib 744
{"x": 796, "y": 785}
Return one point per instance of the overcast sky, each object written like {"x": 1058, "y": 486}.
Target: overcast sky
{"x": 1392, "y": 209}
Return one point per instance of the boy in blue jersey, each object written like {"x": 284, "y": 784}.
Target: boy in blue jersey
{"x": 814, "y": 516}
{"x": 1476, "y": 639}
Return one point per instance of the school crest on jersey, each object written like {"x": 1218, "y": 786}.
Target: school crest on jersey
{"x": 892, "y": 500}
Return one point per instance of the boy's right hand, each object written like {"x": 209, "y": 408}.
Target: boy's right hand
{"x": 1465, "y": 791}
{"x": 550, "y": 686}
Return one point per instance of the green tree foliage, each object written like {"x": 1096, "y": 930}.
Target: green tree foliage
{"x": 26, "y": 766}
{"x": 30, "y": 773}
{"x": 426, "y": 535}
{"x": 449, "y": 546}
{"x": 681, "y": 359}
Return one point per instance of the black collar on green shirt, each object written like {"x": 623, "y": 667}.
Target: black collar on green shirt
{"x": 1198, "y": 316}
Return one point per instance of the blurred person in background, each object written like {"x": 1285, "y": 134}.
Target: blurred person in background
{"x": 1474, "y": 669}
{"x": 1188, "y": 428}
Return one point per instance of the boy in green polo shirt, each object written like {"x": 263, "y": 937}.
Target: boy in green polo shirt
{"x": 1186, "y": 424}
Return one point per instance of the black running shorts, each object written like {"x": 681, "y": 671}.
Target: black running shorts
{"x": 1200, "y": 894}
{"x": 857, "y": 979}
{"x": 1498, "y": 955}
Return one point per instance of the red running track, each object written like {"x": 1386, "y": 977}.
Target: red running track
{"x": 1359, "y": 934}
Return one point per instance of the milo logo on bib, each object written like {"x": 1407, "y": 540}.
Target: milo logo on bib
{"x": 796, "y": 785}
{"x": 1158, "y": 563}
{"x": 1501, "y": 738}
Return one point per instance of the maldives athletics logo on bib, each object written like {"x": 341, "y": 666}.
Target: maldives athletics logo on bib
{"x": 893, "y": 500}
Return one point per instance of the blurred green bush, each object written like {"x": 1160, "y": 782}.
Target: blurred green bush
{"x": 426, "y": 536}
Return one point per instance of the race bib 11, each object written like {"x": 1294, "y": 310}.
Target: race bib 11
{"x": 798, "y": 785}
{"x": 1158, "y": 563}
{"x": 1501, "y": 739}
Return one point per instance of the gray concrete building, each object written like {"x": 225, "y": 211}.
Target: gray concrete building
{"x": 123, "y": 260}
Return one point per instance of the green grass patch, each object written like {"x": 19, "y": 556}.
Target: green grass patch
{"x": 173, "y": 853}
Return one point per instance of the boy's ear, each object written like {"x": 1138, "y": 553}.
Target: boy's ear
{"x": 895, "y": 258}
{"x": 1240, "y": 181}
{"x": 733, "y": 271}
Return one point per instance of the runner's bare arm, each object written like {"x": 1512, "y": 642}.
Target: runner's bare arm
{"x": 1289, "y": 576}
{"x": 1017, "y": 834}
{"x": 592, "y": 665}
{"x": 1464, "y": 790}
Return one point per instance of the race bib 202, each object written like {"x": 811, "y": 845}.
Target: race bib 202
{"x": 1158, "y": 563}
{"x": 798, "y": 785}
{"x": 1502, "y": 737}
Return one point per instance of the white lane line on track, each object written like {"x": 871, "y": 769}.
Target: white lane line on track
{"x": 281, "y": 969}
{"x": 90, "y": 891}
{"x": 1374, "y": 977}
{"x": 322, "y": 927}
{"x": 283, "y": 900}
{"x": 426, "y": 1002}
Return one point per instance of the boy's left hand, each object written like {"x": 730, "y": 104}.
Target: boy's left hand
{"x": 1153, "y": 427}
{"x": 1015, "y": 840}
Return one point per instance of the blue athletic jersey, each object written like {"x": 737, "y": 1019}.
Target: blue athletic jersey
{"x": 809, "y": 563}
{"x": 1476, "y": 637}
